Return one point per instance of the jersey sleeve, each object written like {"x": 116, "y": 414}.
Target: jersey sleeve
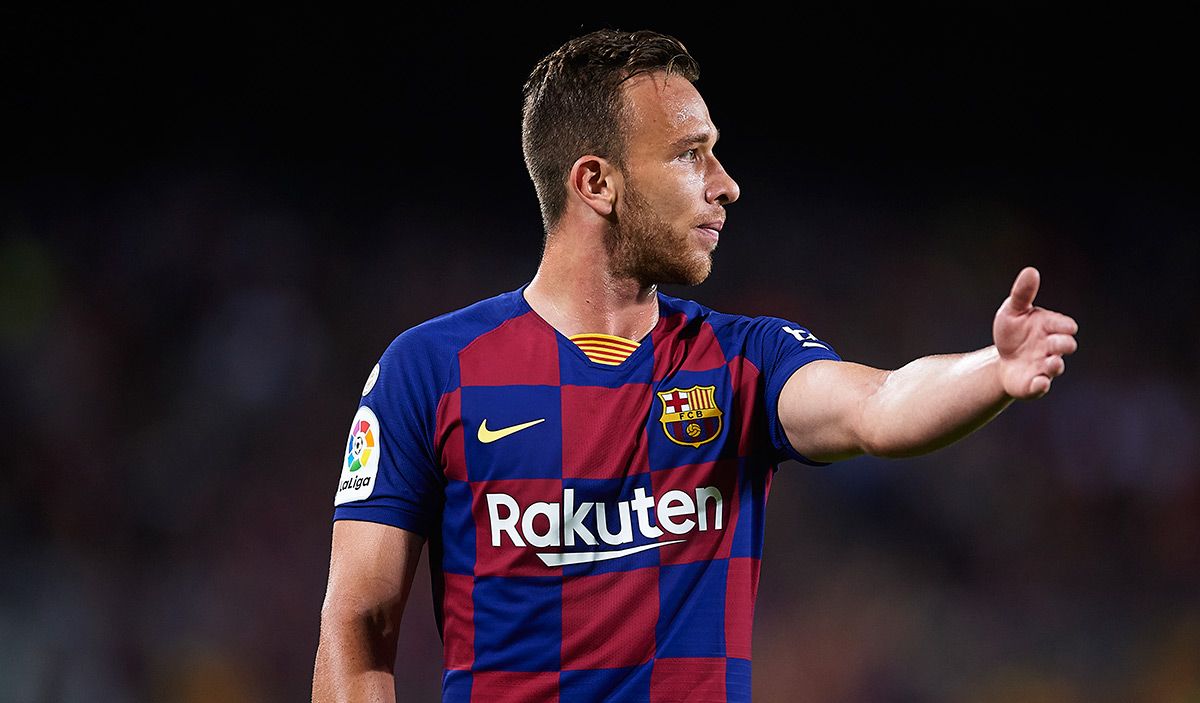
{"x": 779, "y": 348}
{"x": 389, "y": 472}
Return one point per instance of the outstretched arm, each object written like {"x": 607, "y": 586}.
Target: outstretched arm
{"x": 835, "y": 410}
{"x": 370, "y": 573}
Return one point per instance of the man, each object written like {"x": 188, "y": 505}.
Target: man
{"x": 588, "y": 458}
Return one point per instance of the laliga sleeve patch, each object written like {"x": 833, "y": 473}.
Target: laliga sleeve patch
{"x": 362, "y": 458}
{"x": 371, "y": 381}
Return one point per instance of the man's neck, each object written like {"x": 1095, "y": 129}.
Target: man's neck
{"x": 575, "y": 293}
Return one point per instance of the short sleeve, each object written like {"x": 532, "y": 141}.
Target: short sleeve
{"x": 781, "y": 347}
{"x": 389, "y": 473}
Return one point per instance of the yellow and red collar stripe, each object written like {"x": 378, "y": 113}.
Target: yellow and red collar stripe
{"x": 605, "y": 348}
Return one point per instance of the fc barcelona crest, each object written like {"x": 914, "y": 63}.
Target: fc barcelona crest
{"x": 690, "y": 415}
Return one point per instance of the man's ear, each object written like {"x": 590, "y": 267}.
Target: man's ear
{"x": 594, "y": 181}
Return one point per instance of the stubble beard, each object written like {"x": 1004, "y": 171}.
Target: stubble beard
{"x": 644, "y": 247}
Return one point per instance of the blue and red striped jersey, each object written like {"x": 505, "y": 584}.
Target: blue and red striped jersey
{"x": 595, "y": 530}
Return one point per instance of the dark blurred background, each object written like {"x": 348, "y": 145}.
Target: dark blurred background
{"x": 212, "y": 223}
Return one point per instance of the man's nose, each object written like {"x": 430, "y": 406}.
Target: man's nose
{"x": 722, "y": 189}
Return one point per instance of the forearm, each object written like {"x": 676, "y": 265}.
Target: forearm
{"x": 355, "y": 659}
{"x": 932, "y": 402}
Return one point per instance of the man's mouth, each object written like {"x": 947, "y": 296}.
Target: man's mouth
{"x": 711, "y": 229}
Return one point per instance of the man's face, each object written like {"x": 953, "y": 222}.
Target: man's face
{"x": 671, "y": 209}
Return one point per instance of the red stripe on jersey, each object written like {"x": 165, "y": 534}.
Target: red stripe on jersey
{"x": 522, "y": 351}
{"x": 609, "y": 619}
{"x": 748, "y": 426}
{"x": 458, "y": 612}
{"x": 449, "y": 436}
{"x": 676, "y": 348}
{"x": 741, "y": 590}
{"x": 514, "y": 686}
{"x": 603, "y": 444}
{"x": 691, "y": 680}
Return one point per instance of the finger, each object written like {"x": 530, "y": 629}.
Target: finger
{"x": 1054, "y": 366}
{"x": 1039, "y": 386}
{"x": 1025, "y": 289}
{"x": 1061, "y": 344}
{"x": 1058, "y": 323}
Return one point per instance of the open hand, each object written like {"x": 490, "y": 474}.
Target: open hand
{"x": 1032, "y": 341}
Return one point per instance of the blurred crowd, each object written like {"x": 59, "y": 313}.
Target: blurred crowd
{"x": 211, "y": 227}
{"x": 181, "y": 359}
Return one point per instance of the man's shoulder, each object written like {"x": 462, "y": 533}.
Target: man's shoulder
{"x": 731, "y": 330}
{"x": 449, "y": 332}
{"x": 696, "y": 313}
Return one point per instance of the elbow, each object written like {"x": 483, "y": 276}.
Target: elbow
{"x": 372, "y": 631}
{"x": 355, "y": 660}
{"x": 337, "y": 617}
{"x": 889, "y": 446}
{"x": 349, "y": 616}
{"x": 888, "y": 451}
{"x": 882, "y": 430}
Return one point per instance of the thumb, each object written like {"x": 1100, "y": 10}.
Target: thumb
{"x": 1024, "y": 289}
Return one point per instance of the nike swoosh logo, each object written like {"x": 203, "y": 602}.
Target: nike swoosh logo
{"x": 488, "y": 436}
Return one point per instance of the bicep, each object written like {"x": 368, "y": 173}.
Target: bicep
{"x": 371, "y": 570}
{"x": 821, "y": 408}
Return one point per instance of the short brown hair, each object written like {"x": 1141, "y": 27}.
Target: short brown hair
{"x": 573, "y": 104}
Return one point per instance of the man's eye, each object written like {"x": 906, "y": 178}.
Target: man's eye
{"x": 689, "y": 155}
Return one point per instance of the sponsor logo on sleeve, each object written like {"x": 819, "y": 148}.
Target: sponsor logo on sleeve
{"x": 362, "y": 458}
{"x": 805, "y": 337}
{"x": 371, "y": 381}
